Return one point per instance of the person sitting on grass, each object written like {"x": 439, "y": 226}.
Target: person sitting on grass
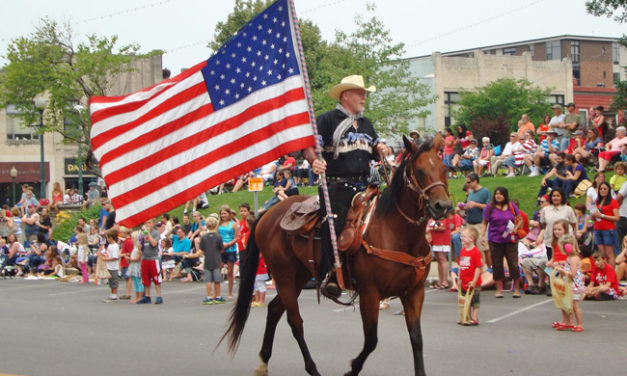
{"x": 546, "y": 156}
{"x": 486, "y": 153}
{"x": 619, "y": 177}
{"x": 603, "y": 283}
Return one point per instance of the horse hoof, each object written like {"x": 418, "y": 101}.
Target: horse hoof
{"x": 261, "y": 370}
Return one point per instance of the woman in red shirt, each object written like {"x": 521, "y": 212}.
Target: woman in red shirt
{"x": 543, "y": 127}
{"x": 605, "y": 218}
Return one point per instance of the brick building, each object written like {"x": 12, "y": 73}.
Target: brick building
{"x": 597, "y": 63}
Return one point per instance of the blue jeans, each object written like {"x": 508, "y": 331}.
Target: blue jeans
{"x": 565, "y": 185}
{"x": 456, "y": 240}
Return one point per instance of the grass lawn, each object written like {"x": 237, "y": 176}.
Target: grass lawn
{"x": 522, "y": 188}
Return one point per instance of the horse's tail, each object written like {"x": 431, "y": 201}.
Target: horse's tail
{"x": 247, "y": 273}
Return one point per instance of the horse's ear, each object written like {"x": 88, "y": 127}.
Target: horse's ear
{"x": 410, "y": 146}
{"x": 437, "y": 141}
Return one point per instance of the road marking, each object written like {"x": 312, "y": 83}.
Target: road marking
{"x": 519, "y": 311}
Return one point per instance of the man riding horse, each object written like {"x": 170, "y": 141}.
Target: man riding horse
{"x": 349, "y": 142}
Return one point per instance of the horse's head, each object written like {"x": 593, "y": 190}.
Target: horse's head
{"x": 427, "y": 176}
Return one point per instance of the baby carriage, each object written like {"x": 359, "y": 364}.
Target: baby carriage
{"x": 6, "y": 270}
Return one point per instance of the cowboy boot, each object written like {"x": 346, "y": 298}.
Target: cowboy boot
{"x": 329, "y": 287}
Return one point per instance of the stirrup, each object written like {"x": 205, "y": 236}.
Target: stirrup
{"x": 329, "y": 287}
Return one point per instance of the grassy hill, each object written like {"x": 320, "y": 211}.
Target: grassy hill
{"x": 523, "y": 188}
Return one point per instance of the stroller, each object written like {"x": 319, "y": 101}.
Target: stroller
{"x": 6, "y": 270}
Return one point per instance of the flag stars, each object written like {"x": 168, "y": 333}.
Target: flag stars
{"x": 255, "y": 78}
{"x": 291, "y": 70}
{"x": 269, "y": 72}
{"x": 253, "y": 64}
{"x": 258, "y": 53}
{"x": 274, "y": 20}
{"x": 269, "y": 31}
{"x": 222, "y": 77}
{"x": 266, "y": 57}
{"x": 212, "y": 72}
{"x": 280, "y": 8}
{"x": 259, "y": 27}
{"x": 278, "y": 77}
{"x": 280, "y": 50}
{"x": 217, "y": 87}
{"x": 236, "y": 96}
{"x": 232, "y": 80}
{"x": 249, "y": 48}
{"x": 284, "y": 39}
{"x": 228, "y": 66}
{"x": 227, "y": 91}
{"x": 221, "y": 102}
{"x": 263, "y": 83}
{"x": 244, "y": 58}
{"x": 239, "y": 44}
{"x": 278, "y": 35}
{"x": 265, "y": 16}
{"x": 254, "y": 37}
{"x": 238, "y": 70}
{"x": 264, "y": 42}
{"x": 247, "y": 75}
{"x": 272, "y": 46}
{"x": 233, "y": 55}
{"x": 250, "y": 89}
{"x": 283, "y": 24}
{"x": 276, "y": 61}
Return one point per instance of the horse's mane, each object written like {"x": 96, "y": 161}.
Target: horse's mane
{"x": 387, "y": 202}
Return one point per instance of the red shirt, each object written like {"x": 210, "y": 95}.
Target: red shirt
{"x": 469, "y": 261}
{"x": 441, "y": 237}
{"x": 525, "y": 220}
{"x": 244, "y": 232}
{"x": 262, "y": 268}
{"x": 289, "y": 162}
{"x": 604, "y": 224}
{"x": 558, "y": 255}
{"x": 127, "y": 248}
{"x": 603, "y": 276}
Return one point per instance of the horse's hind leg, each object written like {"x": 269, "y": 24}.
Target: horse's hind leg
{"x": 275, "y": 312}
{"x": 412, "y": 304}
{"x": 369, "y": 308}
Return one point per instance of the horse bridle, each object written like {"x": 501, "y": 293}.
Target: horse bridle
{"x": 423, "y": 199}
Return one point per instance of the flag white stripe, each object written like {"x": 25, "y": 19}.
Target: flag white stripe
{"x": 135, "y": 97}
{"x": 223, "y": 164}
{"x": 197, "y": 126}
{"x": 159, "y": 121}
{"x": 197, "y": 151}
{"x": 115, "y": 121}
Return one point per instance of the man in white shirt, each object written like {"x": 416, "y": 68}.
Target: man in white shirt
{"x": 557, "y": 124}
{"x": 507, "y": 156}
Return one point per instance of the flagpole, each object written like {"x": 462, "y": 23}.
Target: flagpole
{"x": 318, "y": 149}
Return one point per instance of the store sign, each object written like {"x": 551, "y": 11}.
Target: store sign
{"x": 70, "y": 166}
{"x": 27, "y": 172}
{"x": 255, "y": 184}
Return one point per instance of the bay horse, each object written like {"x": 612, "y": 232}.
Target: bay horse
{"x": 419, "y": 189}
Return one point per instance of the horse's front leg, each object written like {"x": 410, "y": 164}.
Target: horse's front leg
{"x": 369, "y": 308}
{"x": 412, "y": 303}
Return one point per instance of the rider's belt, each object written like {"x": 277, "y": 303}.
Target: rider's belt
{"x": 347, "y": 179}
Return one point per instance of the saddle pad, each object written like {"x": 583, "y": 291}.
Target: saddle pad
{"x": 300, "y": 214}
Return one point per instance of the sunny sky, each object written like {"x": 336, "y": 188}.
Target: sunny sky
{"x": 183, "y": 27}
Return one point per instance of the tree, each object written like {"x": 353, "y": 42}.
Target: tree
{"x": 369, "y": 51}
{"x": 400, "y": 97}
{"x": 608, "y": 8}
{"x": 494, "y": 110}
{"x": 49, "y": 62}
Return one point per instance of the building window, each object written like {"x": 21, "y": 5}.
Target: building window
{"x": 451, "y": 98}
{"x": 532, "y": 50}
{"x": 16, "y": 129}
{"x": 71, "y": 127}
{"x": 574, "y": 51}
{"x": 577, "y": 74}
{"x": 553, "y": 50}
{"x": 556, "y": 99}
{"x": 616, "y": 53}
{"x": 509, "y": 51}
{"x": 616, "y": 79}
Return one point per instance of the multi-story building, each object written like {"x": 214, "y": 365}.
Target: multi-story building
{"x": 20, "y": 143}
{"x": 582, "y": 69}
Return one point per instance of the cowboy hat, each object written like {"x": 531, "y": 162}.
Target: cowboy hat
{"x": 348, "y": 83}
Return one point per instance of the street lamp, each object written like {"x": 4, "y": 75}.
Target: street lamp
{"x": 13, "y": 176}
{"x": 40, "y": 103}
{"x": 79, "y": 161}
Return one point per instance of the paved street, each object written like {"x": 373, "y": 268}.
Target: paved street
{"x": 51, "y": 328}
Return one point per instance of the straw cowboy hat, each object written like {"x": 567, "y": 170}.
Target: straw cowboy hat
{"x": 348, "y": 83}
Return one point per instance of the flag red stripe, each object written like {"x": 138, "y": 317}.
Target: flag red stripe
{"x": 199, "y": 163}
{"x": 155, "y": 134}
{"x": 170, "y": 103}
{"x": 198, "y": 138}
{"x": 174, "y": 201}
{"x": 174, "y": 80}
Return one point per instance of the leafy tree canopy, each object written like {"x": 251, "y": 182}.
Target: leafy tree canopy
{"x": 494, "y": 110}
{"x": 51, "y": 63}
{"x": 369, "y": 51}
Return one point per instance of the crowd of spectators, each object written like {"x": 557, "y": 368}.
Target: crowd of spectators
{"x": 516, "y": 247}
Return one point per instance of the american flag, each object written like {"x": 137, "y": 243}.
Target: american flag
{"x": 240, "y": 109}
